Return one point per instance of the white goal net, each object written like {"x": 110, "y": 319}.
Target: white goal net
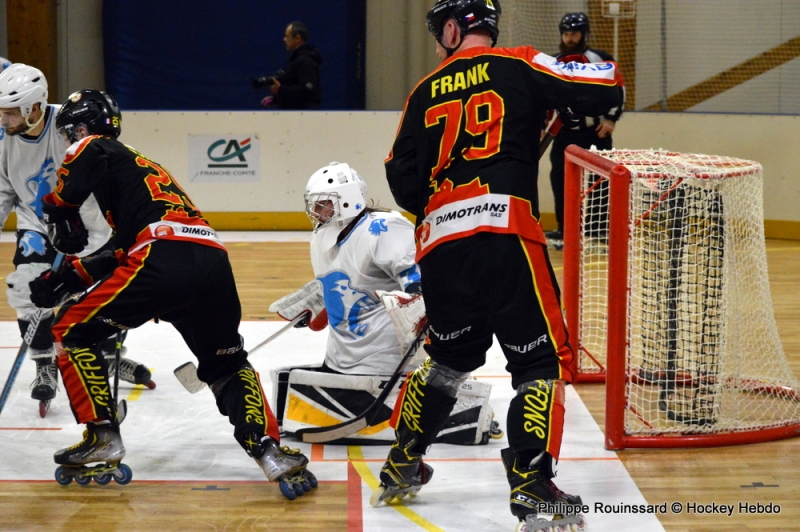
{"x": 701, "y": 356}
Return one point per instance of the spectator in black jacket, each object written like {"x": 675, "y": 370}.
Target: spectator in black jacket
{"x": 297, "y": 85}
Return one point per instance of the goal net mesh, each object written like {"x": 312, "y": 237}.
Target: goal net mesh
{"x": 703, "y": 353}
{"x": 709, "y": 56}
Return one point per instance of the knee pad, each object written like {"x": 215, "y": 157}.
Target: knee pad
{"x": 19, "y": 292}
{"x": 240, "y": 396}
{"x": 425, "y": 402}
{"x": 536, "y": 417}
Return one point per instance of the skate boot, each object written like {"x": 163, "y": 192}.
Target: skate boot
{"x": 45, "y": 385}
{"x": 555, "y": 239}
{"x": 101, "y": 443}
{"x": 287, "y": 467}
{"x": 129, "y": 370}
{"x": 495, "y": 432}
{"x": 404, "y": 473}
{"x": 535, "y": 499}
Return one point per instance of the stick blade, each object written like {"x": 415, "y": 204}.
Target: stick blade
{"x": 326, "y": 434}
{"x": 187, "y": 376}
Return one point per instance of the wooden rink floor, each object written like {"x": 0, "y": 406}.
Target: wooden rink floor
{"x": 189, "y": 473}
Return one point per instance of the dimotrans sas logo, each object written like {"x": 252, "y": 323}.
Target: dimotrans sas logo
{"x": 214, "y": 158}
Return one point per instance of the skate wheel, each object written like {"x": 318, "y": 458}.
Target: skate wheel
{"x": 375, "y": 499}
{"x": 413, "y": 495}
{"x": 123, "y": 475}
{"x": 312, "y": 480}
{"x": 299, "y": 489}
{"x": 579, "y": 527}
{"x": 83, "y": 481}
{"x": 62, "y": 477}
{"x": 44, "y": 406}
{"x": 102, "y": 479}
{"x": 151, "y": 384}
{"x": 497, "y": 435}
{"x": 287, "y": 490}
{"x": 306, "y": 486}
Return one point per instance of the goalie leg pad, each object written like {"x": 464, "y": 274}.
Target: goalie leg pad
{"x": 321, "y": 399}
{"x": 470, "y": 420}
{"x": 240, "y": 396}
{"x": 425, "y": 402}
{"x": 536, "y": 417}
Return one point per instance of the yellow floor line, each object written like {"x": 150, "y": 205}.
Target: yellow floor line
{"x": 137, "y": 390}
{"x": 357, "y": 458}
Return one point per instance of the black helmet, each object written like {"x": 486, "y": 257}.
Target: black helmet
{"x": 96, "y": 110}
{"x": 468, "y": 14}
{"x": 574, "y": 22}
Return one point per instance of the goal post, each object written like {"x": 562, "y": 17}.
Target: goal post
{"x": 667, "y": 299}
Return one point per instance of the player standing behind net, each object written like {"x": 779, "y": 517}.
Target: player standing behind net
{"x": 170, "y": 266}
{"x": 465, "y": 163}
{"x": 31, "y": 151}
{"x": 585, "y": 131}
{"x": 358, "y": 251}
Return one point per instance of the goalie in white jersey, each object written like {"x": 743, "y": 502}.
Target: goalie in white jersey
{"x": 356, "y": 251}
{"x": 31, "y": 152}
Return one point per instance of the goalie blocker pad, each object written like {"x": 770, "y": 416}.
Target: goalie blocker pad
{"x": 305, "y": 398}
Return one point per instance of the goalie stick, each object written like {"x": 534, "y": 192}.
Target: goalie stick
{"x": 187, "y": 373}
{"x": 30, "y": 332}
{"x": 342, "y": 430}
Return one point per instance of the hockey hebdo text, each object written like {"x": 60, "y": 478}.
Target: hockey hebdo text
{"x": 688, "y": 508}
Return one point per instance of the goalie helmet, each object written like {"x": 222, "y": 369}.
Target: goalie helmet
{"x": 95, "y": 110}
{"x": 574, "y": 22}
{"x": 468, "y": 14}
{"x": 22, "y": 86}
{"x": 334, "y": 195}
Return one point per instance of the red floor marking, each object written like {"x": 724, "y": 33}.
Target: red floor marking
{"x": 317, "y": 452}
{"x": 355, "y": 516}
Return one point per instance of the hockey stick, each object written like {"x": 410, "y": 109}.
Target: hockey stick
{"x": 187, "y": 373}
{"x": 550, "y": 134}
{"x": 121, "y": 406}
{"x": 30, "y": 332}
{"x": 342, "y": 430}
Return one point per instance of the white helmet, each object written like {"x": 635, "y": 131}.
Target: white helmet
{"x": 341, "y": 185}
{"x": 22, "y": 86}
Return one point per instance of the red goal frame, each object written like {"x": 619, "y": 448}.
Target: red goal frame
{"x": 615, "y": 374}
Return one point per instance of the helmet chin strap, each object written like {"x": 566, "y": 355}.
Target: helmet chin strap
{"x": 450, "y": 51}
{"x": 33, "y": 126}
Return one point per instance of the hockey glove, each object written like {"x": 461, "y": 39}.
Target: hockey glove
{"x": 570, "y": 119}
{"x": 309, "y": 301}
{"x": 52, "y": 286}
{"x": 71, "y": 236}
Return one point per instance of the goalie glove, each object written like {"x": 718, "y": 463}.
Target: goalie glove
{"x": 308, "y": 300}
{"x": 51, "y": 287}
{"x": 71, "y": 235}
{"x": 407, "y": 312}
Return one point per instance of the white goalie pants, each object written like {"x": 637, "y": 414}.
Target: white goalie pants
{"x": 305, "y": 398}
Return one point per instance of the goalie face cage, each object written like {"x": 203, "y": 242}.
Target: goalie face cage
{"x": 667, "y": 299}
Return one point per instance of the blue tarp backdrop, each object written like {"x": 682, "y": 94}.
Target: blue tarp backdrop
{"x": 200, "y": 54}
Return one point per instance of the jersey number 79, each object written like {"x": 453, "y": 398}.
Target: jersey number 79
{"x": 484, "y": 113}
